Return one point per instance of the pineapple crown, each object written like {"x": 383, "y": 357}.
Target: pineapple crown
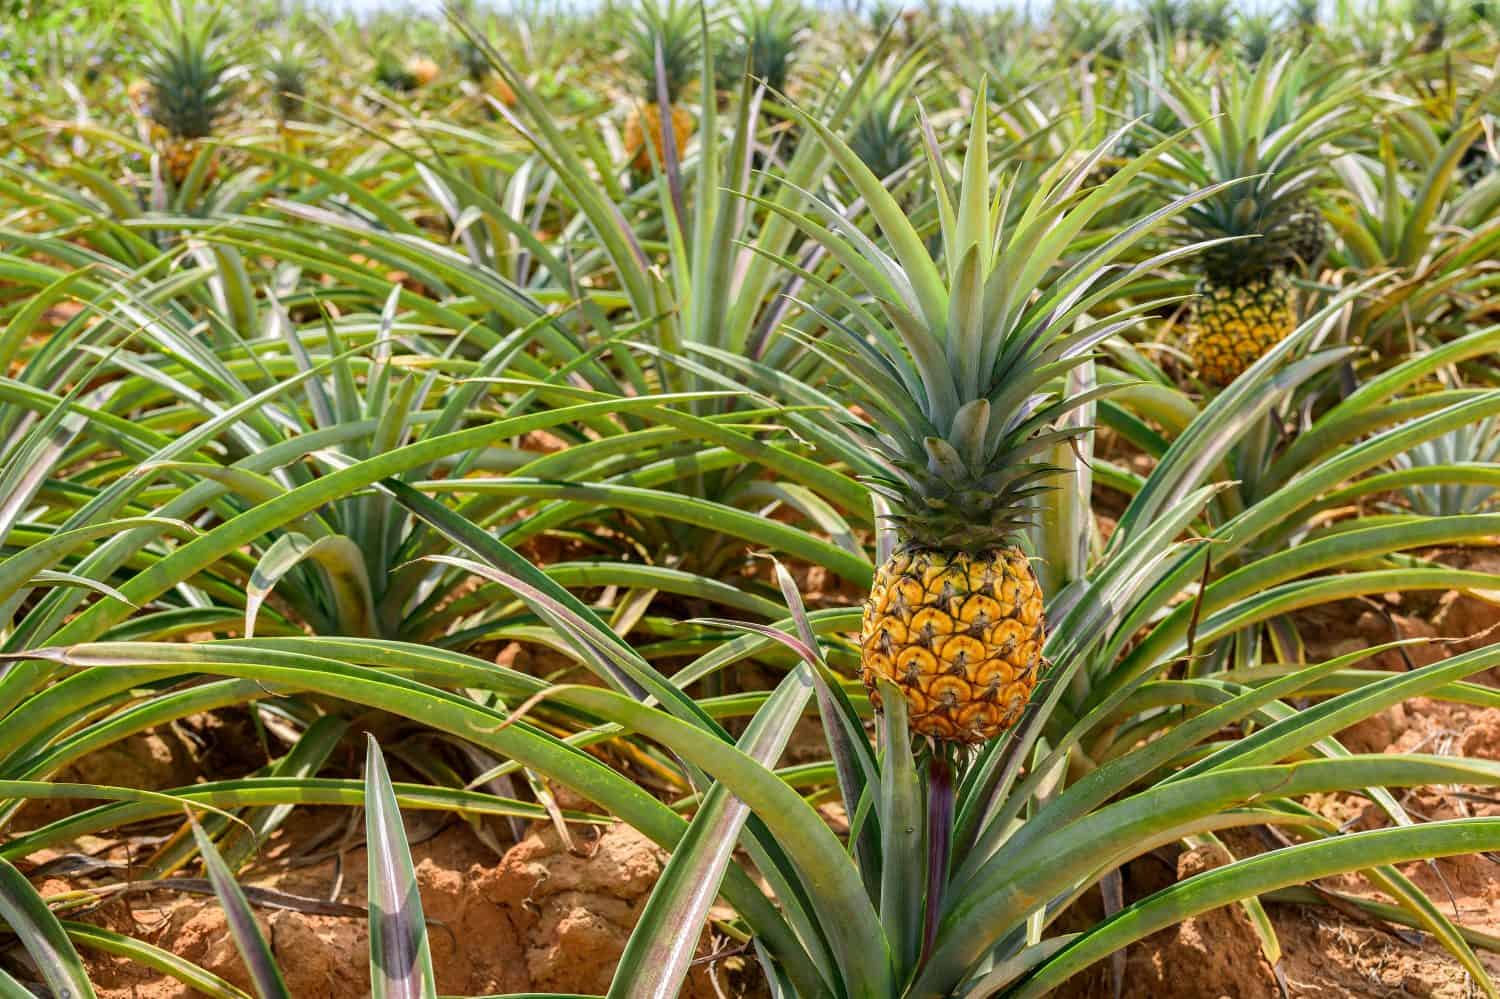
{"x": 884, "y": 134}
{"x": 392, "y": 71}
{"x": 1212, "y": 22}
{"x": 1268, "y": 127}
{"x": 957, "y": 356}
{"x": 286, "y": 70}
{"x": 766, "y": 39}
{"x": 190, "y": 67}
{"x": 472, "y": 56}
{"x": 672, "y": 29}
{"x": 1090, "y": 27}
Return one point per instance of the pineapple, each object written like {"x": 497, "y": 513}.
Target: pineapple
{"x": 423, "y": 70}
{"x": 959, "y": 378}
{"x": 1306, "y": 234}
{"x": 1245, "y": 305}
{"x": 672, "y": 31}
{"x": 191, "y": 75}
{"x": 1239, "y": 319}
{"x": 959, "y": 634}
{"x": 1267, "y": 143}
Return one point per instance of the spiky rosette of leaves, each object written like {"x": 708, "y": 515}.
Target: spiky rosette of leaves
{"x": 1257, "y": 36}
{"x": 957, "y": 356}
{"x": 670, "y": 29}
{"x": 1212, "y": 22}
{"x": 286, "y": 72}
{"x": 190, "y": 65}
{"x": 1266, "y": 125}
{"x": 765, "y": 41}
{"x": 393, "y": 72}
{"x": 884, "y": 135}
{"x": 1090, "y": 27}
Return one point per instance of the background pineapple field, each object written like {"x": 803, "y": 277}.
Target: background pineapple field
{"x": 750, "y": 499}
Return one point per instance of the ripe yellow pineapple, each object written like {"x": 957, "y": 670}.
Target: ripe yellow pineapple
{"x": 671, "y": 31}
{"x": 502, "y": 91}
{"x": 646, "y": 119}
{"x": 1234, "y": 323}
{"x": 422, "y": 70}
{"x": 178, "y": 156}
{"x": 959, "y": 635}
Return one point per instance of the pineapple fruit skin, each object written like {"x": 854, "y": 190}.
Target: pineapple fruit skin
{"x": 1234, "y": 324}
{"x": 636, "y": 130}
{"x": 179, "y": 154}
{"x": 502, "y": 92}
{"x": 1307, "y": 236}
{"x": 959, "y": 635}
{"x": 423, "y": 70}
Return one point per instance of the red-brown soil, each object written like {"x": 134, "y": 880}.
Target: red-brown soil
{"x": 538, "y": 917}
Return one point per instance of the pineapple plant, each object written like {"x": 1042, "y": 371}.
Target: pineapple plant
{"x": 190, "y": 73}
{"x": 1212, "y": 22}
{"x": 961, "y": 388}
{"x": 1303, "y": 15}
{"x": 1264, "y": 131}
{"x": 1257, "y": 36}
{"x": 885, "y": 125}
{"x": 883, "y": 137}
{"x": 1106, "y": 102}
{"x": 286, "y": 71}
{"x": 662, "y": 47}
{"x": 1090, "y": 28}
